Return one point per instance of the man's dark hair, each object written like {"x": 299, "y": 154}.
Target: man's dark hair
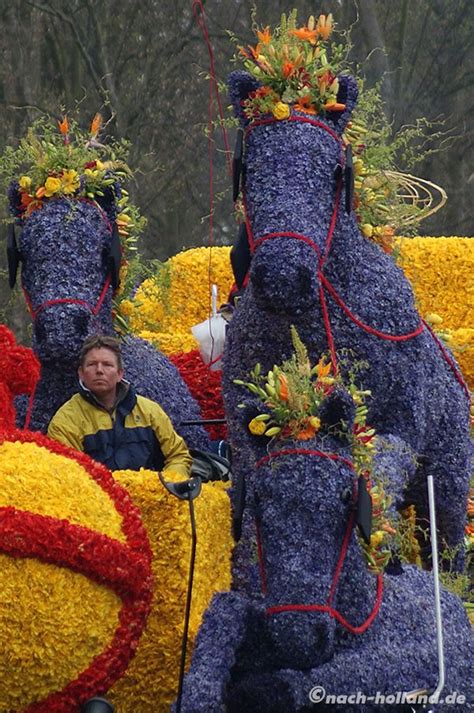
{"x": 101, "y": 341}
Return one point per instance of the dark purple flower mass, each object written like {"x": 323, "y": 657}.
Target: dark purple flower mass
{"x": 249, "y": 657}
{"x": 290, "y": 186}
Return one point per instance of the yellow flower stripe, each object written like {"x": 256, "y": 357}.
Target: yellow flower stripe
{"x": 34, "y": 479}
{"x": 150, "y": 683}
{"x": 53, "y": 622}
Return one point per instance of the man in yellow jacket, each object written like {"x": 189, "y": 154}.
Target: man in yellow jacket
{"x": 111, "y": 423}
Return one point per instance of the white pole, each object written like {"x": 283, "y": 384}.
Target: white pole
{"x": 214, "y": 300}
{"x": 439, "y": 623}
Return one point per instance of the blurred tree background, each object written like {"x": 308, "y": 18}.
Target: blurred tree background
{"x": 144, "y": 65}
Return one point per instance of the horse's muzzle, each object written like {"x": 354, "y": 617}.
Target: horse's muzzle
{"x": 60, "y": 330}
{"x": 301, "y": 639}
{"x": 284, "y": 276}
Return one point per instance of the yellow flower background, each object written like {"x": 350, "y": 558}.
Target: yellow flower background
{"x": 166, "y": 307}
{"x": 440, "y": 270}
{"x": 150, "y": 684}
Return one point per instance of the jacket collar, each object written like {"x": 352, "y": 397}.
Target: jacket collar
{"x": 125, "y": 396}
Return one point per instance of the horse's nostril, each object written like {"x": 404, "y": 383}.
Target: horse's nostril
{"x": 80, "y": 324}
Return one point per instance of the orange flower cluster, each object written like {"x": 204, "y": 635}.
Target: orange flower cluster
{"x": 292, "y": 64}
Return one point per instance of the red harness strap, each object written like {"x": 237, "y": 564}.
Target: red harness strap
{"x": 326, "y": 608}
{"x": 68, "y": 300}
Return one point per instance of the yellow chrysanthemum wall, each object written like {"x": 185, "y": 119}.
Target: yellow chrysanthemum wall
{"x": 440, "y": 270}
{"x": 54, "y": 621}
{"x": 150, "y": 684}
{"x": 164, "y": 309}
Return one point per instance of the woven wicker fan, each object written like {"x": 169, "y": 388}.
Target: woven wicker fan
{"x": 416, "y": 192}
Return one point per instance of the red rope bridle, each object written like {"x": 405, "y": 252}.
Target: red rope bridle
{"x": 93, "y": 309}
{"x": 324, "y": 283}
{"x": 326, "y": 608}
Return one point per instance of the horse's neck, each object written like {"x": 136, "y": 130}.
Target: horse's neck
{"x": 59, "y": 378}
{"x": 349, "y": 248}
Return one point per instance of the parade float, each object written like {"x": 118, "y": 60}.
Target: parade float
{"x": 95, "y": 564}
{"x": 321, "y": 303}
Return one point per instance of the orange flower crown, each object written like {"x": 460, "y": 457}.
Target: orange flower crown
{"x": 294, "y": 68}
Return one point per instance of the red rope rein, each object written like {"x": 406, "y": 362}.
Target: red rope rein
{"x": 200, "y": 17}
{"x": 333, "y": 612}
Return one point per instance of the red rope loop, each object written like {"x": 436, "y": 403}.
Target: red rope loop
{"x": 305, "y": 452}
{"x": 333, "y": 613}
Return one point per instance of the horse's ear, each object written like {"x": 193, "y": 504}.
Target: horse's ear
{"x": 240, "y": 85}
{"x": 347, "y": 94}
{"x": 337, "y": 411}
{"x": 13, "y": 255}
{"x": 14, "y": 199}
{"x": 108, "y": 202}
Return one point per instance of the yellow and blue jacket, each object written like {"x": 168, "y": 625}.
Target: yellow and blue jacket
{"x": 137, "y": 434}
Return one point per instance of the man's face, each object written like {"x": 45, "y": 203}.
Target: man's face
{"x": 100, "y": 372}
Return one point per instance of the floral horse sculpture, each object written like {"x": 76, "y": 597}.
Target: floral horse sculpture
{"x": 311, "y": 267}
{"x": 322, "y": 618}
{"x": 70, "y": 253}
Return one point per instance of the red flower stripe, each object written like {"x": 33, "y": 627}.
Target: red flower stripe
{"x": 132, "y": 526}
{"x": 59, "y": 542}
{"x": 205, "y": 387}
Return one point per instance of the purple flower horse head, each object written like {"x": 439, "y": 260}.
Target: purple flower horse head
{"x": 291, "y": 177}
{"x": 66, "y": 251}
{"x": 70, "y": 258}
{"x": 310, "y": 266}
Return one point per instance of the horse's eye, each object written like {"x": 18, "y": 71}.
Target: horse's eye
{"x": 346, "y": 495}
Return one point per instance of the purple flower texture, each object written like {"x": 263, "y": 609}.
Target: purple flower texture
{"x": 338, "y": 289}
{"x": 65, "y": 270}
{"x": 265, "y": 654}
